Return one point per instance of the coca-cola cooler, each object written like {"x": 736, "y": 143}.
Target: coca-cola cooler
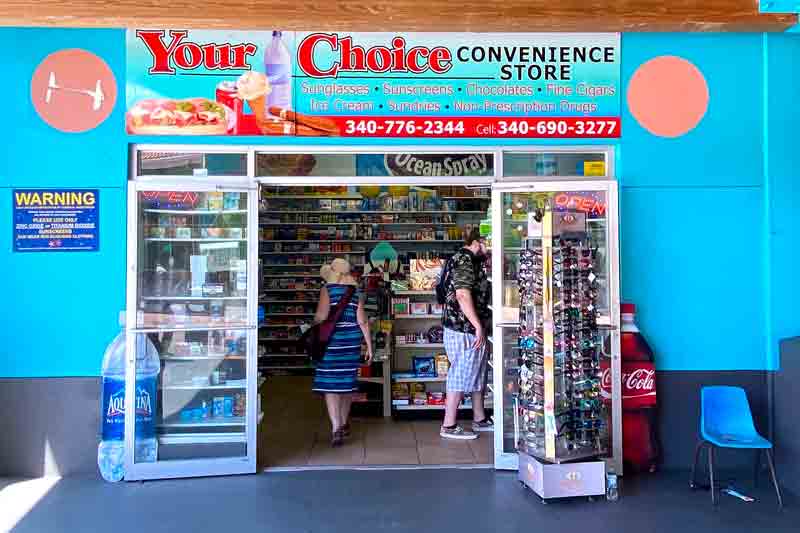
{"x": 557, "y": 329}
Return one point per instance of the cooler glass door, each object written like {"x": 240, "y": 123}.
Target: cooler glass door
{"x": 591, "y": 208}
{"x": 191, "y": 322}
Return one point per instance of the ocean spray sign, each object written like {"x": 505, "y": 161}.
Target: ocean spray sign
{"x": 184, "y": 82}
{"x": 47, "y": 220}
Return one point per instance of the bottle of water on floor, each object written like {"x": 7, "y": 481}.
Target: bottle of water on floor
{"x": 111, "y": 450}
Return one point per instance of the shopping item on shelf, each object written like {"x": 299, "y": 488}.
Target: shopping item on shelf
{"x": 424, "y": 367}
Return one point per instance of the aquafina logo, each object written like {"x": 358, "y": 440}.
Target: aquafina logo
{"x": 116, "y": 404}
{"x": 144, "y": 406}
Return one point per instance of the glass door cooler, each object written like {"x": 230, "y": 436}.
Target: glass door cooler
{"x": 191, "y": 324}
{"x": 556, "y": 302}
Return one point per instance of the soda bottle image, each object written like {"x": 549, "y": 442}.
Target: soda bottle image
{"x": 278, "y": 68}
{"x": 640, "y": 448}
{"x": 111, "y": 449}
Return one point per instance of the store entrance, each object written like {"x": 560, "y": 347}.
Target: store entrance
{"x": 393, "y": 239}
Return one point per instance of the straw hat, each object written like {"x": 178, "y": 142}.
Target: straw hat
{"x": 338, "y": 272}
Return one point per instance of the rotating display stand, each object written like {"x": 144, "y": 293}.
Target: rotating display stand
{"x": 562, "y": 422}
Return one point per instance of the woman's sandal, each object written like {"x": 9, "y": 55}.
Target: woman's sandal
{"x": 337, "y": 439}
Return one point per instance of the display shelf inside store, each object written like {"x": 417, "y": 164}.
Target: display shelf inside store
{"x": 202, "y": 438}
{"x": 371, "y": 379}
{"x": 194, "y": 298}
{"x": 420, "y": 345}
{"x": 195, "y": 239}
{"x": 206, "y": 422}
{"x": 285, "y": 367}
{"x": 197, "y": 211}
{"x": 414, "y": 293}
{"x": 436, "y": 379}
{"x": 268, "y": 196}
{"x": 408, "y": 317}
{"x": 314, "y": 252}
{"x": 208, "y": 357}
{"x": 487, "y": 405}
{"x": 323, "y": 224}
{"x": 229, "y": 385}
{"x": 366, "y": 212}
{"x": 267, "y": 289}
{"x": 421, "y": 241}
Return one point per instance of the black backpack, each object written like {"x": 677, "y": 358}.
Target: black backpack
{"x": 444, "y": 279}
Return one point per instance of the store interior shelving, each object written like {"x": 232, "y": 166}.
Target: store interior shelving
{"x": 301, "y": 229}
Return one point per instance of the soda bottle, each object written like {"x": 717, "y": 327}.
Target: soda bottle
{"x": 639, "y": 436}
{"x": 278, "y": 68}
{"x": 111, "y": 450}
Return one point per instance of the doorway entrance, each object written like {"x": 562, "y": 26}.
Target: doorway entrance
{"x": 243, "y": 232}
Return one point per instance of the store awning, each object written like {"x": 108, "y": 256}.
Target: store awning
{"x": 403, "y": 15}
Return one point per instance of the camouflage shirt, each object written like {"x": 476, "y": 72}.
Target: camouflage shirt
{"x": 467, "y": 273}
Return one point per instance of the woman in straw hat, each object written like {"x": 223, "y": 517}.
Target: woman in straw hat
{"x": 335, "y": 374}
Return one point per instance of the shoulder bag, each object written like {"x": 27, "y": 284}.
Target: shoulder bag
{"x": 316, "y": 339}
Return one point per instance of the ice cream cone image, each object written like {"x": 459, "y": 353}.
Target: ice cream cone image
{"x": 253, "y": 87}
{"x": 259, "y": 108}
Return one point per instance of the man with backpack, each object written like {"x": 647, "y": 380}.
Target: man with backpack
{"x": 465, "y": 292}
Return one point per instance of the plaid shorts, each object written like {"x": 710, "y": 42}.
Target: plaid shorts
{"x": 467, "y": 365}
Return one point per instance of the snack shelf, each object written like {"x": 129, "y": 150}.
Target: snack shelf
{"x": 437, "y": 379}
{"x": 407, "y": 317}
{"x": 208, "y": 422}
{"x": 197, "y": 211}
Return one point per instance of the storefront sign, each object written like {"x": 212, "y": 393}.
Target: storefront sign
{"x": 192, "y": 82}
{"x": 56, "y": 220}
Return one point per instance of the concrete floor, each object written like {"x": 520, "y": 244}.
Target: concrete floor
{"x": 296, "y": 432}
{"x": 369, "y": 501}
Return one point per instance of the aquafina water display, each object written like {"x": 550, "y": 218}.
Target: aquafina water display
{"x": 111, "y": 450}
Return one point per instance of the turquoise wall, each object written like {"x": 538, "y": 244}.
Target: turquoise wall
{"x": 706, "y": 230}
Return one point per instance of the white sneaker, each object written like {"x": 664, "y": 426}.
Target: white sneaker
{"x": 457, "y": 433}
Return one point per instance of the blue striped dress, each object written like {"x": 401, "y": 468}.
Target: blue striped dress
{"x": 336, "y": 372}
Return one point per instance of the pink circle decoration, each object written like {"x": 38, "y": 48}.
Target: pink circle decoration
{"x": 668, "y": 96}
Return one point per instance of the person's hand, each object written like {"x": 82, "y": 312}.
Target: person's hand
{"x": 368, "y": 358}
{"x": 480, "y": 338}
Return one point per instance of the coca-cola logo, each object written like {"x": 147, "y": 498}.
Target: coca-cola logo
{"x": 639, "y": 380}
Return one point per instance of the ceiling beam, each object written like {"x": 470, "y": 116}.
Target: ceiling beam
{"x": 402, "y": 15}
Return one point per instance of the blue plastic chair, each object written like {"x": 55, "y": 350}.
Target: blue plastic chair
{"x": 726, "y": 422}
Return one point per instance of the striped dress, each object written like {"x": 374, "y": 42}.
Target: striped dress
{"x": 336, "y": 372}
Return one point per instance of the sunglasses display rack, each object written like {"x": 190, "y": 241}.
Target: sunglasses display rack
{"x": 561, "y": 419}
